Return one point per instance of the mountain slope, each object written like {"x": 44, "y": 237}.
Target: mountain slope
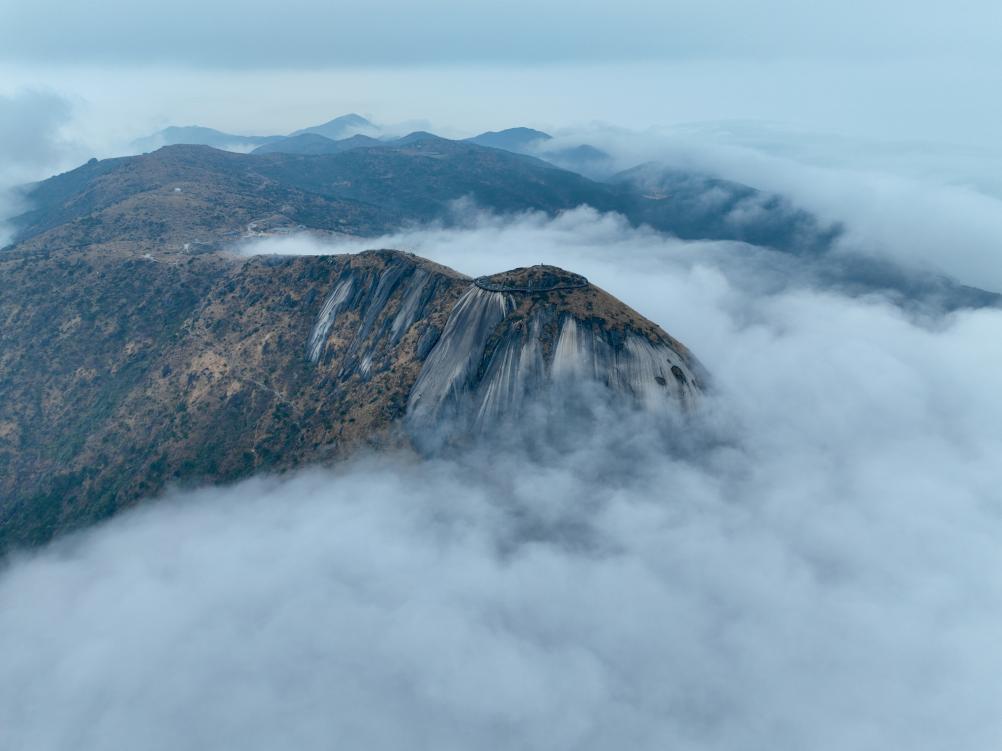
{"x": 511, "y": 335}
{"x": 193, "y": 194}
{"x": 179, "y": 195}
{"x": 366, "y": 191}
{"x": 695, "y": 204}
{"x": 194, "y": 199}
{"x": 421, "y": 174}
{"x": 120, "y": 374}
{"x": 584, "y": 158}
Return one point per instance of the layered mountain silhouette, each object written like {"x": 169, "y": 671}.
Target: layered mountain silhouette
{"x": 314, "y": 143}
{"x": 341, "y": 127}
{"x": 196, "y": 134}
{"x": 364, "y": 185}
{"x": 583, "y": 158}
{"x": 352, "y": 130}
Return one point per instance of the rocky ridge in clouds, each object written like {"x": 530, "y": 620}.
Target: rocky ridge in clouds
{"x": 122, "y": 374}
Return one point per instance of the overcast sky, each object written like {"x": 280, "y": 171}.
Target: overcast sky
{"x": 307, "y": 33}
{"x": 898, "y": 70}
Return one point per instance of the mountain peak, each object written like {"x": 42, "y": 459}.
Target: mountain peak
{"x": 538, "y": 332}
{"x": 174, "y": 135}
{"x": 532, "y": 280}
{"x": 418, "y": 135}
{"x": 341, "y": 127}
{"x": 518, "y": 139}
{"x": 220, "y": 366}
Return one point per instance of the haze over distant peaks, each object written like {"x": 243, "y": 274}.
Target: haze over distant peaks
{"x": 584, "y": 158}
{"x": 341, "y": 127}
{"x": 511, "y": 139}
{"x": 416, "y": 136}
{"x": 201, "y": 136}
{"x": 352, "y": 131}
{"x": 314, "y": 143}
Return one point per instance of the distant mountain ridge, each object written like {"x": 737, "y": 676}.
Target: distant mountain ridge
{"x": 314, "y": 143}
{"x": 341, "y": 127}
{"x": 511, "y": 139}
{"x": 337, "y": 129}
{"x": 346, "y": 189}
{"x": 583, "y": 158}
{"x": 352, "y": 130}
{"x": 204, "y": 199}
{"x": 196, "y": 134}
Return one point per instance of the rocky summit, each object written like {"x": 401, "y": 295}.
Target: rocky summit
{"x": 121, "y": 373}
{"x": 511, "y": 335}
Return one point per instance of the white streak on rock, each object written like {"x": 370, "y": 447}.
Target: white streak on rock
{"x": 486, "y": 386}
{"x": 639, "y": 367}
{"x": 451, "y": 366}
{"x": 410, "y": 308}
{"x": 332, "y": 306}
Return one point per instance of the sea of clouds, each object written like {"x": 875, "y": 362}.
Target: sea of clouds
{"x": 926, "y": 205}
{"x": 824, "y": 574}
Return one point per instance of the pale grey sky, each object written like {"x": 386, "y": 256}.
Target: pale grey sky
{"x": 308, "y": 33}
{"x": 877, "y": 67}
{"x": 892, "y": 99}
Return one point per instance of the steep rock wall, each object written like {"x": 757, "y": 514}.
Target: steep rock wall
{"x": 506, "y": 343}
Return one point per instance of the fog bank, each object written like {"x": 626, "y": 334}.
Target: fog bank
{"x": 823, "y": 574}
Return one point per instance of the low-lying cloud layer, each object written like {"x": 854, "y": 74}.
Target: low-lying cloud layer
{"x": 928, "y": 206}
{"x": 823, "y": 576}
{"x": 925, "y": 207}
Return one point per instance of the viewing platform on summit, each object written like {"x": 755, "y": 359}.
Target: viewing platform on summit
{"x": 532, "y": 280}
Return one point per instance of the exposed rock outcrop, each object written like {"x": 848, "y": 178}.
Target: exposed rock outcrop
{"x": 515, "y": 334}
{"x": 121, "y": 374}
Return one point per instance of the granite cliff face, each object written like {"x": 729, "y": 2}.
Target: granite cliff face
{"x": 121, "y": 374}
{"x": 514, "y": 335}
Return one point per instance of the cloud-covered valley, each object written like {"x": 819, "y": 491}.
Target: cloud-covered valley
{"x": 822, "y": 573}
{"x": 929, "y": 206}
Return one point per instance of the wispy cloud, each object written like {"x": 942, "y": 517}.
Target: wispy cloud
{"x": 937, "y": 210}
{"x": 31, "y": 144}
